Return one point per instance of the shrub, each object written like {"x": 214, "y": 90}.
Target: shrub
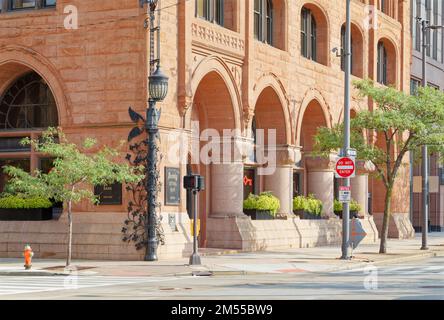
{"x": 14, "y": 202}
{"x": 354, "y": 206}
{"x": 264, "y": 202}
{"x": 299, "y": 203}
{"x": 337, "y": 206}
{"x": 308, "y": 204}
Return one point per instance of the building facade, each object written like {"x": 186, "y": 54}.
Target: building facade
{"x": 433, "y": 11}
{"x": 233, "y": 65}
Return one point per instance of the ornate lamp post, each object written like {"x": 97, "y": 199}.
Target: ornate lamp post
{"x": 158, "y": 89}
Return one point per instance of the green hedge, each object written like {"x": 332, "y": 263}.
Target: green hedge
{"x": 14, "y": 202}
{"x": 354, "y": 206}
{"x": 265, "y": 202}
{"x": 308, "y": 204}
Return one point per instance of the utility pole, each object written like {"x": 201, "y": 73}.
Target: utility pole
{"x": 425, "y": 156}
{"x": 346, "y": 255}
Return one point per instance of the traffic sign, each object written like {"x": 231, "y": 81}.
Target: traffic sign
{"x": 357, "y": 233}
{"x": 345, "y": 168}
{"x": 344, "y": 194}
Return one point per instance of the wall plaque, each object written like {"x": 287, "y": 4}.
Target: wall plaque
{"x": 172, "y": 186}
{"x": 109, "y": 195}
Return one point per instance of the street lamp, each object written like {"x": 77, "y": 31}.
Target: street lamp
{"x": 158, "y": 89}
{"x": 346, "y": 255}
{"x": 425, "y": 158}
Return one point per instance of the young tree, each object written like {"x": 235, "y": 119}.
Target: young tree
{"x": 403, "y": 122}
{"x": 75, "y": 170}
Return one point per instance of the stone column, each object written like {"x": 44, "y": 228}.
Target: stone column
{"x": 320, "y": 180}
{"x": 226, "y": 189}
{"x": 281, "y": 185}
{"x": 359, "y": 185}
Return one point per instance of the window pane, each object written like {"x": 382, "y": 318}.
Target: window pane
{"x": 22, "y": 4}
{"x": 200, "y": 8}
{"x": 24, "y": 164}
{"x": 220, "y": 12}
{"x": 49, "y": 3}
{"x": 28, "y": 103}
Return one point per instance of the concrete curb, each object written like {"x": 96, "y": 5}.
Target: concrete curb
{"x": 205, "y": 271}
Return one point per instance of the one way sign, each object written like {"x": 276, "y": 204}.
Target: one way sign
{"x": 357, "y": 233}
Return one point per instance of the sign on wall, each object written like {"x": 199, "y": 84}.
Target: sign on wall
{"x": 109, "y": 195}
{"x": 172, "y": 186}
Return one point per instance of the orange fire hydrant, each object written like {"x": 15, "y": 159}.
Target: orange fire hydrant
{"x": 28, "y": 254}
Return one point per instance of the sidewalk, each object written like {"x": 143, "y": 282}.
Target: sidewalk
{"x": 321, "y": 259}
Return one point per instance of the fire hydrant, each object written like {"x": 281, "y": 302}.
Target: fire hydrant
{"x": 28, "y": 254}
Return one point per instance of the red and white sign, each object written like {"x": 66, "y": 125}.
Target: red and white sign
{"x": 345, "y": 168}
{"x": 344, "y": 194}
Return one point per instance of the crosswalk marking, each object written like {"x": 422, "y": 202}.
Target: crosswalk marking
{"x": 15, "y": 285}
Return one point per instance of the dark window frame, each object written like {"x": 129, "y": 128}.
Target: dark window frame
{"x": 264, "y": 21}
{"x": 382, "y": 64}
{"x": 309, "y": 40}
{"x": 8, "y": 6}
{"x": 213, "y": 11}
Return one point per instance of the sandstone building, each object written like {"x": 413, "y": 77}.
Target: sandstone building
{"x": 233, "y": 64}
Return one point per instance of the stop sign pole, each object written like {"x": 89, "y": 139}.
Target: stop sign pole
{"x": 346, "y": 252}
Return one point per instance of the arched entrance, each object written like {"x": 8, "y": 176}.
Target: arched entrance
{"x": 270, "y": 118}
{"x": 318, "y": 172}
{"x": 27, "y": 107}
{"x": 212, "y": 114}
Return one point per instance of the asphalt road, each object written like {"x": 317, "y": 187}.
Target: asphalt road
{"x": 416, "y": 280}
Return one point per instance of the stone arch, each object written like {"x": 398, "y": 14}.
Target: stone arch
{"x": 323, "y": 30}
{"x": 215, "y": 66}
{"x": 358, "y": 40}
{"x": 271, "y": 89}
{"x": 17, "y": 60}
{"x": 312, "y": 96}
{"x": 393, "y": 62}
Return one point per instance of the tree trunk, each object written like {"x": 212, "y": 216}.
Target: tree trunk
{"x": 69, "y": 253}
{"x": 386, "y": 219}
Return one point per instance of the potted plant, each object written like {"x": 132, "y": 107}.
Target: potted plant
{"x": 15, "y": 208}
{"x": 314, "y": 208}
{"x": 299, "y": 206}
{"x": 307, "y": 207}
{"x": 355, "y": 207}
{"x": 261, "y": 207}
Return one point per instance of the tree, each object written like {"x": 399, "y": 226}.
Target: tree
{"x": 75, "y": 170}
{"x": 403, "y": 122}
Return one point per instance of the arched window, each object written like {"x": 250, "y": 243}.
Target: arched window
{"x": 357, "y": 51}
{"x": 27, "y": 107}
{"x": 265, "y": 22}
{"x": 28, "y": 104}
{"x": 382, "y": 64}
{"x": 343, "y": 40}
{"x": 308, "y": 35}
